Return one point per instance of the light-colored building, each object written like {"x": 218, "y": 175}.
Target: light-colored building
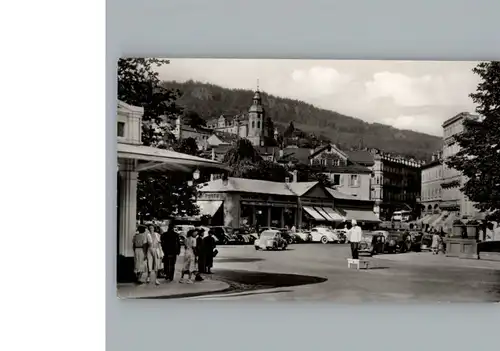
{"x": 200, "y": 134}
{"x": 349, "y": 178}
{"x": 250, "y": 125}
{"x": 395, "y": 181}
{"x": 453, "y": 200}
{"x": 431, "y": 190}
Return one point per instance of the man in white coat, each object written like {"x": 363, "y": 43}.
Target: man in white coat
{"x": 355, "y": 234}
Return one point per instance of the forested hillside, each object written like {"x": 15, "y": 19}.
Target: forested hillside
{"x": 209, "y": 101}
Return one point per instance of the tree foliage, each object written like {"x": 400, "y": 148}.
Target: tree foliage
{"x": 159, "y": 195}
{"x": 139, "y": 85}
{"x": 479, "y": 156}
{"x": 193, "y": 119}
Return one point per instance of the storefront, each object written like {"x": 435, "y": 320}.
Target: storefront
{"x": 249, "y": 202}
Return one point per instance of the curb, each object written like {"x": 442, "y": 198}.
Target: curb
{"x": 224, "y": 287}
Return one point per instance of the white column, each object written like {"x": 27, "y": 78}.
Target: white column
{"x": 127, "y": 208}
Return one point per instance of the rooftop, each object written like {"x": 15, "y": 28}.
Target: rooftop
{"x": 243, "y": 185}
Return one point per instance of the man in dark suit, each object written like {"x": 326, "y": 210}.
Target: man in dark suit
{"x": 171, "y": 246}
{"x": 208, "y": 249}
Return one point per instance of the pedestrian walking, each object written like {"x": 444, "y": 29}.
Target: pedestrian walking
{"x": 153, "y": 254}
{"x": 355, "y": 234}
{"x": 188, "y": 266}
{"x": 209, "y": 252}
{"x": 171, "y": 247}
{"x": 200, "y": 256}
{"x": 140, "y": 245}
{"x": 435, "y": 243}
{"x": 159, "y": 233}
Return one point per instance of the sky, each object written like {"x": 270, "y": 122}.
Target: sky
{"x": 414, "y": 95}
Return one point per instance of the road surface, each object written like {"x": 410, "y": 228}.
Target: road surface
{"x": 317, "y": 272}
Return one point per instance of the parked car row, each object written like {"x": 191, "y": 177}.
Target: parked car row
{"x": 381, "y": 241}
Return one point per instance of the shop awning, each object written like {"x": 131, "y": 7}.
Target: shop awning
{"x": 324, "y": 214}
{"x": 361, "y": 216}
{"x": 430, "y": 218}
{"x": 337, "y": 217}
{"x": 438, "y": 221}
{"x": 208, "y": 208}
{"x": 314, "y": 214}
{"x": 448, "y": 222}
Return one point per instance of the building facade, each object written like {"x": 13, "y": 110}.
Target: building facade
{"x": 250, "y": 126}
{"x": 200, "y": 134}
{"x": 453, "y": 200}
{"x": 431, "y": 189}
{"x": 395, "y": 181}
{"x": 349, "y": 178}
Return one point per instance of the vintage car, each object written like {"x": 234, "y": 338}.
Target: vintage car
{"x": 398, "y": 242}
{"x": 371, "y": 244}
{"x": 385, "y": 233}
{"x": 287, "y": 235}
{"x": 416, "y": 240}
{"x": 224, "y": 235}
{"x": 324, "y": 235}
{"x": 342, "y": 235}
{"x": 243, "y": 236}
{"x": 270, "y": 240}
{"x": 426, "y": 243}
{"x": 303, "y": 236}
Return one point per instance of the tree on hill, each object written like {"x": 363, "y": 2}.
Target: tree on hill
{"x": 193, "y": 119}
{"x": 479, "y": 157}
{"x": 242, "y": 151}
{"x": 187, "y": 146}
{"x": 289, "y": 130}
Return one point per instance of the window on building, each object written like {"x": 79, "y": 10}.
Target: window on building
{"x": 253, "y": 124}
{"x": 258, "y": 124}
{"x": 323, "y": 162}
{"x": 353, "y": 180}
{"x": 120, "y": 129}
{"x": 336, "y": 179}
{"x": 336, "y": 162}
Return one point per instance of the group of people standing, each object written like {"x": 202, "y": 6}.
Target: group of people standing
{"x": 156, "y": 252}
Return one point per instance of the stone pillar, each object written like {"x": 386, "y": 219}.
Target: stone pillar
{"x": 232, "y": 210}
{"x": 269, "y": 216}
{"x": 254, "y": 215}
{"x": 298, "y": 217}
{"x": 127, "y": 207}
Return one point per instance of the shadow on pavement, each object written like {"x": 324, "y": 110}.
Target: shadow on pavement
{"x": 239, "y": 260}
{"x": 241, "y": 281}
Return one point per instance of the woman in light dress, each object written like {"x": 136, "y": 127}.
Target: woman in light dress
{"x": 189, "y": 257}
{"x": 140, "y": 245}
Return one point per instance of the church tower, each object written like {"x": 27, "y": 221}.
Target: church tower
{"x": 256, "y": 118}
